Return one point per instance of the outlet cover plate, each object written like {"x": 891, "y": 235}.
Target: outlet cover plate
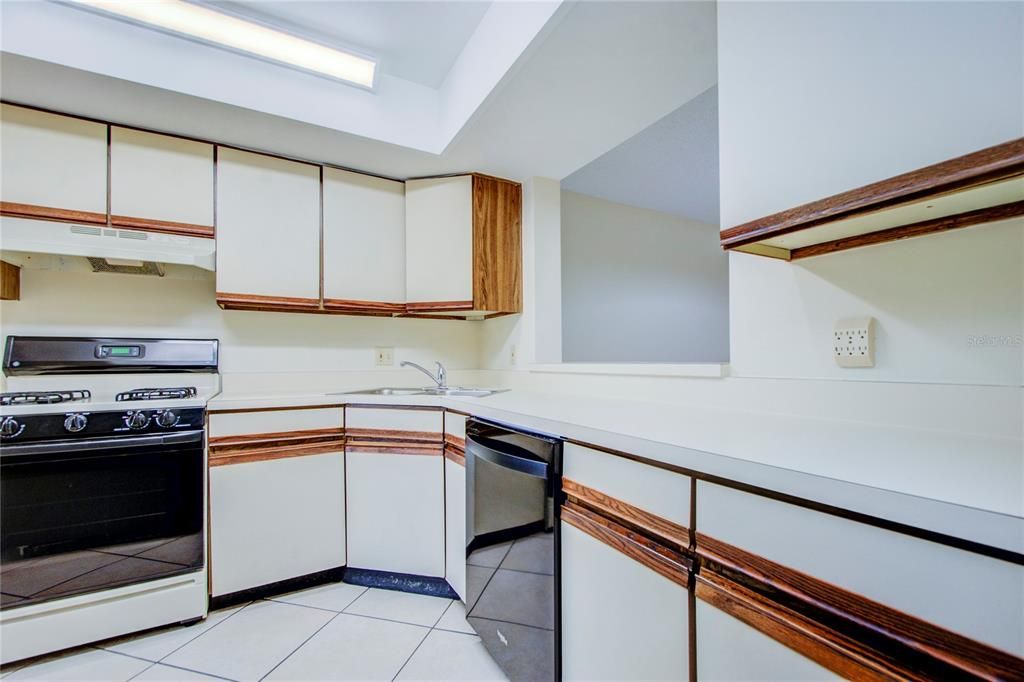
{"x": 853, "y": 342}
{"x": 385, "y": 356}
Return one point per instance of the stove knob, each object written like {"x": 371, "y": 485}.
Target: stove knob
{"x": 137, "y": 420}
{"x": 167, "y": 418}
{"x": 75, "y": 423}
{"x": 10, "y": 427}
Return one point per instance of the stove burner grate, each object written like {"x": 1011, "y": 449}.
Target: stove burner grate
{"x": 43, "y": 397}
{"x": 177, "y": 393}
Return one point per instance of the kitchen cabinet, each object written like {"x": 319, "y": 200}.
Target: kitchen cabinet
{"x": 53, "y": 167}
{"x": 395, "y": 483}
{"x": 455, "y": 530}
{"x": 277, "y": 496}
{"x": 268, "y": 232}
{"x": 161, "y": 183}
{"x": 463, "y": 245}
{"x": 364, "y": 243}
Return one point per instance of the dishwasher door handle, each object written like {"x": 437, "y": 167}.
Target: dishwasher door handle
{"x": 523, "y": 465}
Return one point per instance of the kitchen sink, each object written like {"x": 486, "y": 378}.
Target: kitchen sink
{"x": 449, "y": 391}
{"x": 383, "y": 391}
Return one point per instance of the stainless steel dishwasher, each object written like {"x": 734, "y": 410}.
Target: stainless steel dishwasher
{"x": 513, "y": 483}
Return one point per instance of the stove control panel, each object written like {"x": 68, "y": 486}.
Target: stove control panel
{"x": 75, "y": 425}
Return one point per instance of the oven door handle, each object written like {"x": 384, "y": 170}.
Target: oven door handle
{"x": 530, "y": 467}
{"x": 79, "y": 446}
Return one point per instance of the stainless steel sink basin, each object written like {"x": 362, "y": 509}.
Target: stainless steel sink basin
{"x": 450, "y": 391}
{"x": 384, "y": 391}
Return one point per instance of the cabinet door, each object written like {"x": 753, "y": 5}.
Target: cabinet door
{"x": 620, "y": 619}
{"x": 455, "y": 526}
{"x": 53, "y": 166}
{"x": 439, "y": 241}
{"x": 276, "y": 519}
{"x": 364, "y": 242}
{"x": 396, "y": 512}
{"x": 729, "y": 649}
{"x": 161, "y": 182}
{"x": 268, "y": 229}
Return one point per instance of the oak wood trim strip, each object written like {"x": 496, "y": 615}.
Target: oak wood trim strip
{"x": 163, "y": 226}
{"x": 13, "y": 209}
{"x": 10, "y": 282}
{"x": 994, "y": 163}
{"x": 232, "y": 301}
{"x": 667, "y": 563}
{"x": 393, "y": 435}
{"x": 256, "y": 441}
{"x": 366, "y": 307}
{"x": 244, "y": 456}
{"x": 887, "y": 636}
{"x": 439, "y": 306}
{"x": 434, "y": 450}
{"x": 655, "y": 527}
{"x": 455, "y": 455}
{"x": 454, "y": 441}
{"x": 275, "y": 408}
{"x": 980, "y": 216}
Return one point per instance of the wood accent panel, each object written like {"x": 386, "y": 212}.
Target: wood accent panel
{"x": 362, "y": 307}
{"x": 393, "y": 435}
{"x": 435, "y": 450}
{"x": 952, "y": 222}
{"x": 655, "y": 527}
{"x": 497, "y": 245}
{"x": 10, "y": 282}
{"x": 838, "y": 628}
{"x": 10, "y": 208}
{"x": 667, "y": 563}
{"x": 455, "y": 449}
{"x": 971, "y": 170}
{"x": 438, "y": 306}
{"x": 163, "y": 226}
{"x": 229, "y": 301}
{"x": 455, "y": 441}
{"x": 275, "y": 408}
{"x": 259, "y": 447}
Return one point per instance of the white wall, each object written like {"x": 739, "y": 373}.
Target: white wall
{"x": 640, "y": 285}
{"x": 817, "y": 98}
{"x": 87, "y": 303}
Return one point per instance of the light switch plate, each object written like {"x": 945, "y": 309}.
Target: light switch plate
{"x": 385, "y": 356}
{"x": 853, "y": 342}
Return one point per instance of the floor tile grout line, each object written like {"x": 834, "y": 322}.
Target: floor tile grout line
{"x": 212, "y": 627}
{"x": 427, "y": 634}
{"x": 192, "y": 670}
{"x": 320, "y": 608}
{"x": 387, "y": 620}
{"x": 151, "y": 664}
{"x": 304, "y": 642}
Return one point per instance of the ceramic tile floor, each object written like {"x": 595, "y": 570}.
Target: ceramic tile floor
{"x": 332, "y": 632}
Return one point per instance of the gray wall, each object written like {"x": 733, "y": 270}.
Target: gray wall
{"x": 640, "y": 285}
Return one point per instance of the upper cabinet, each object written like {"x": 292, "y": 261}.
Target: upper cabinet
{"x": 161, "y": 183}
{"x": 364, "y": 243}
{"x": 981, "y": 187}
{"x": 463, "y": 245}
{"x": 268, "y": 232}
{"x": 53, "y": 167}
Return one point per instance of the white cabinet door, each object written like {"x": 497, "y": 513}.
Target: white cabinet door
{"x": 276, "y": 519}
{"x": 364, "y": 238}
{"x": 396, "y": 512}
{"x": 455, "y": 526}
{"x": 268, "y": 226}
{"x": 728, "y": 649}
{"x": 53, "y": 162}
{"x": 620, "y": 619}
{"x": 160, "y": 178}
{"x": 439, "y": 239}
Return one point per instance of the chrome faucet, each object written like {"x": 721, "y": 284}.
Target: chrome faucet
{"x": 442, "y": 374}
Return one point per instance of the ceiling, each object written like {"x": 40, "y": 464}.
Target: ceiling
{"x": 672, "y": 166}
{"x": 415, "y": 41}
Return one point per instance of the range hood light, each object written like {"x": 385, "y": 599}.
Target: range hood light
{"x": 223, "y": 30}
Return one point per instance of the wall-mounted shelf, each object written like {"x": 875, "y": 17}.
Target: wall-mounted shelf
{"x": 981, "y": 187}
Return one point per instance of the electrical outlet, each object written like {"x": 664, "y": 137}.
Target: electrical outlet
{"x": 853, "y": 342}
{"x": 512, "y": 356}
{"x": 385, "y": 356}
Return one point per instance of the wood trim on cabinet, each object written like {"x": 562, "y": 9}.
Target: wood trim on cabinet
{"x": 393, "y": 435}
{"x": 16, "y": 210}
{"x": 275, "y": 408}
{"x": 455, "y": 441}
{"x": 850, "y": 634}
{"x": 982, "y": 167}
{"x": 230, "y": 301}
{"x": 670, "y": 564}
{"x": 163, "y": 226}
{"x": 342, "y": 305}
{"x": 383, "y": 448}
{"x": 455, "y": 449}
{"x": 439, "y": 306}
{"x": 943, "y": 224}
{"x": 260, "y": 447}
{"x": 10, "y": 281}
{"x": 666, "y": 532}
{"x": 497, "y": 245}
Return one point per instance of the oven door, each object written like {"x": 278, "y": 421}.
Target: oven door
{"x": 92, "y": 514}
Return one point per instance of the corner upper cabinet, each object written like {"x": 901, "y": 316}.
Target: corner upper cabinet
{"x": 463, "y": 245}
{"x": 53, "y": 167}
{"x": 268, "y": 232}
{"x": 364, "y": 243}
{"x": 161, "y": 183}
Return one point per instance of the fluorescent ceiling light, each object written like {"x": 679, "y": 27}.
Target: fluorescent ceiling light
{"x": 223, "y": 30}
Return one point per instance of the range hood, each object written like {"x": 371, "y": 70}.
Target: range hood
{"x": 111, "y": 244}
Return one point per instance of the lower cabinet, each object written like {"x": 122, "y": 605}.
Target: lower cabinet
{"x": 275, "y": 519}
{"x": 396, "y": 511}
{"x": 620, "y": 619}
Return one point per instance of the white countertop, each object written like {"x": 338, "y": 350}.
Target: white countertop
{"x": 912, "y": 475}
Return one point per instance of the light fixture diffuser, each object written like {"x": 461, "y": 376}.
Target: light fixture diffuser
{"x": 223, "y": 30}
